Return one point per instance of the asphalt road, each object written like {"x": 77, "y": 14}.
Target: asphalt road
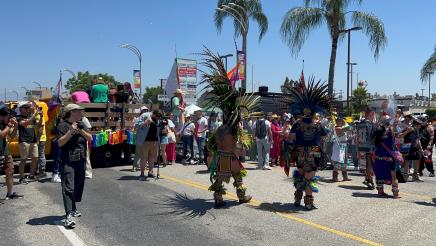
{"x": 178, "y": 210}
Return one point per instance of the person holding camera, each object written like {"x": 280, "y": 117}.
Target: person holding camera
{"x": 8, "y": 129}
{"x": 147, "y": 138}
{"x": 72, "y": 139}
{"x": 28, "y": 121}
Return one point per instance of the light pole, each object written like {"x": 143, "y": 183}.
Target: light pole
{"x": 137, "y": 52}
{"x": 16, "y": 94}
{"x": 348, "y": 31}
{"x": 239, "y": 13}
{"x": 351, "y": 76}
{"x": 70, "y": 72}
{"x": 40, "y": 88}
{"x": 225, "y": 58}
{"x": 429, "y": 74}
{"x": 25, "y": 89}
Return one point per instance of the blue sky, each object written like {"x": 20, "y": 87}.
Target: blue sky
{"x": 38, "y": 38}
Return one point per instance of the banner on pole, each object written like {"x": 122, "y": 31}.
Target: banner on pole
{"x": 241, "y": 62}
{"x": 137, "y": 79}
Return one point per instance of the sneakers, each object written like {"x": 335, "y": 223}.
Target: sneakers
{"x": 267, "y": 168}
{"x": 150, "y": 175}
{"x": 13, "y": 195}
{"x": 76, "y": 213}
{"x": 42, "y": 175}
{"x": 55, "y": 178}
{"x": 32, "y": 178}
{"x": 431, "y": 175}
{"x": 416, "y": 178}
{"x": 23, "y": 180}
{"x": 69, "y": 222}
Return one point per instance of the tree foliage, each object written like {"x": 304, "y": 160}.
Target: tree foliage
{"x": 253, "y": 10}
{"x": 360, "y": 100}
{"x": 85, "y": 80}
{"x": 299, "y": 22}
{"x": 151, "y": 93}
{"x": 429, "y": 67}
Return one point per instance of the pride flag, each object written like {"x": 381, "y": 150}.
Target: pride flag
{"x": 233, "y": 75}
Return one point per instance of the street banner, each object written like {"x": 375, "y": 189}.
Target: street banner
{"x": 163, "y": 98}
{"x": 241, "y": 62}
{"x": 137, "y": 79}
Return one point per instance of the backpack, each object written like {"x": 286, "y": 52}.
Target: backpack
{"x": 261, "y": 129}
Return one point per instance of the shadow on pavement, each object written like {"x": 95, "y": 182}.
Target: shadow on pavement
{"x": 428, "y": 204}
{"x": 369, "y": 195}
{"x": 279, "y": 207}
{"x": 131, "y": 178}
{"x": 47, "y": 220}
{"x": 355, "y": 174}
{"x": 202, "y": 172}
{"x": 353, "y": 187}
{"x": 182, "y": 205}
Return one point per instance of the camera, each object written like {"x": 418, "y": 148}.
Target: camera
{"x": 80, "y": 125}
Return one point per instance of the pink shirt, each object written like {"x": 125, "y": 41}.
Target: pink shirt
{"x": 80, "y": 97}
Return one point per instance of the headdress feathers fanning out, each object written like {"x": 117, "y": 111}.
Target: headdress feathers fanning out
{"x": 222, "y": 94}
{"x": 314, "y": 99}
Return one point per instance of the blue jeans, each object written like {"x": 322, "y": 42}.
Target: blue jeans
{"x": 188, "y": 141}
{"x": 56, "y": 157}
{"x": 41, "y": 157}
{"x": 201, "y": 142}
{"x": 263, "y": 149}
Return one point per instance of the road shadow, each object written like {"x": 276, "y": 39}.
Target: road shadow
{"x": 279, "y": 207}
{"x": 202, "y": 172}
{"x": 369, "y": 195}
{"x": 428, "y": 204}
{"x": 46, "y": 220}
{"x": 132, "y": 178}
{"x": 356, "y": 174}
{"x": 353, "y": 187}
{"x": 326, "y": 180}
{"x": 186, "y": 207}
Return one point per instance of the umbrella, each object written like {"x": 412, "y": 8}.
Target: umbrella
{"x": 191, "y": 109}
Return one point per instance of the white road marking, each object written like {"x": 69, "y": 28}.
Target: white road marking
{"x": 71, "y": 235}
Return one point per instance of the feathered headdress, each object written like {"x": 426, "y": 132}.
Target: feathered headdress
{"x": 235, "y": 105}
{"x": 314, "y": 99}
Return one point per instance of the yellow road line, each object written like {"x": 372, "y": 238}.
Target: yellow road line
{"x": 282, "y": 214}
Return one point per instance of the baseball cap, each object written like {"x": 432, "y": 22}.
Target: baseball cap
{"x": 72, "y": 106}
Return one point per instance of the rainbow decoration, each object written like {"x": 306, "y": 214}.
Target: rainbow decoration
{"x": 113, "y": 137}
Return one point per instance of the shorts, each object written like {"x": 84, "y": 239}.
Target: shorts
{"x": 164, "y": 140}
{"x": 7, "y": 164}
{"x": 149, "y": 151}
{"x": 28, "y": 150}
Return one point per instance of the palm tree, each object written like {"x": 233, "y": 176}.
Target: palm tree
{"x": 300, "y": 21}
{"x": 427, "y": 70}
{"x": 241, "y": 11}
{"x": 429, "y": 67}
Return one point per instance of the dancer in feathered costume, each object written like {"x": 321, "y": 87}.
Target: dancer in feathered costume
{"x": 308, "y": 133}
{"x": 223, "y": 161}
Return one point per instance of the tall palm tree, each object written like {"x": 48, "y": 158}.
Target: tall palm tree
{"x": 241, "y": 11}
{"x": 429, "y": 67}
{"x": 300, "y": 21}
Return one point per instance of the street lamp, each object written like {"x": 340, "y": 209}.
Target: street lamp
{"x": 225, "y": 57}
{"x": 348, "y": 31}
{"x": 16, "y": 94}
{"x": 137, "y": 52}
{"x": 429, "y": 87}
{"x": 26, "y": 90}
{"x": 70, "y": 72}
{"x": 351, "y": 76}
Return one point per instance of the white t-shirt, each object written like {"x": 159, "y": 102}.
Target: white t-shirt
{"x": 268, "y": 127}
{"x": 202, "y": 126}
{"x": 188, "y": 129}
{"x": 171, "y": 124}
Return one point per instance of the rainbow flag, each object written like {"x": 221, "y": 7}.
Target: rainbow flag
{"x": 233, "y": 75}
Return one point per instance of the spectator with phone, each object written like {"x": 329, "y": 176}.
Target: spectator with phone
{"x": 8, "y": 129}
{"x": 72, "y": 139}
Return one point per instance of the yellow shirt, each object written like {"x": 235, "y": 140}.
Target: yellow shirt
{"x": 40, "y": 131}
